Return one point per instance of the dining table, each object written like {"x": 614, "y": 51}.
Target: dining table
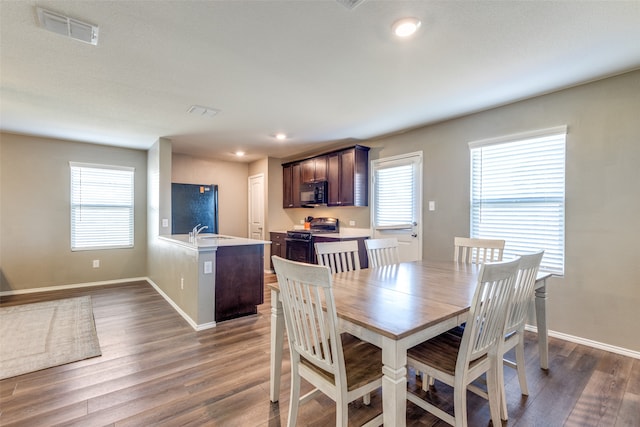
{"x": 396, "y": 307}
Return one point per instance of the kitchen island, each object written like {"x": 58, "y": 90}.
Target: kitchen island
{"x": 212, "y": 278}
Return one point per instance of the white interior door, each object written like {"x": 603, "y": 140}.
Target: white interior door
{"x": 396, "y": 205}
{"x": 256, "y": 207}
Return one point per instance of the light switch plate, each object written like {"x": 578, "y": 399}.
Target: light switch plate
{"x": 432, "y": 205}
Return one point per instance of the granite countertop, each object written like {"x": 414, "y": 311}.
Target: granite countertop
{"x": 208, "y": 241}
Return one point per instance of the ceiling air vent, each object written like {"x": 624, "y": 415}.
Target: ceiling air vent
{"x": 69, "y": 27}
{"x": 350, "y": 4}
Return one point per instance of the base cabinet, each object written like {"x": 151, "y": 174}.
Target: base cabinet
{"x": 239, "y": 284}
{"x": 278, "y": 246}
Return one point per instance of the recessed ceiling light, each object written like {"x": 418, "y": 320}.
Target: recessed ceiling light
{"x": 281, "y": 136}
{"x": 239, "y": 153}
{"x": 405, "y": 27}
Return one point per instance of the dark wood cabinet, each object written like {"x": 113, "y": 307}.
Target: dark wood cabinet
{"x": 291, "y": 178}
{"x": 348, "y": 175}
{"x": 239, "y": 281}
{"x": 346, "y": 172}
{"x": 278, "y": 245}
{"x": 315, "y": 169}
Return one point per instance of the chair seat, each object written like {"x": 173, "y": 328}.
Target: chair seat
{"x": 440, "y": 353}
{"x": 363, "y": 362}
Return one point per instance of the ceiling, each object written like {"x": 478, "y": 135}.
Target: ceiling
{"x": 321, "y": 72}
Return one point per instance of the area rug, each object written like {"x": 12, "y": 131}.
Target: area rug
{"x": 45, "y": 334}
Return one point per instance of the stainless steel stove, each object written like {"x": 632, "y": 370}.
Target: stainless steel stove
{"x": 300, "y": 242}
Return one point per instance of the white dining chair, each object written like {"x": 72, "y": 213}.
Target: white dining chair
{"x": 516, "y": 319}
{"x": 477, "y": 251}
{"x": 382, "y": 252}
{"x": 339, "y": 365}
{"x": 471, "y": 251}
{"x": 459, "y": 360}
{"x": 338, "y": 256}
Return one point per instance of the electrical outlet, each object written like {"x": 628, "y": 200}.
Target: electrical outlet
{"x": 165, "y": 223}
{"x": 352, "y": 223}
{"x": 182, "y": 283}
{"x": 96, "y": 263}
{"x": 208, "y": 267}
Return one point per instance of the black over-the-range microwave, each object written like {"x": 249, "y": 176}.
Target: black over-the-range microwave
{"x": 313, "y": 194}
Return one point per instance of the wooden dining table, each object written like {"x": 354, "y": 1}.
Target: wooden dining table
{"x": 396, "y": 307}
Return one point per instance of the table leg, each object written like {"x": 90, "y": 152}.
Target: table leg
{"x": 394, "y": 384}
{"x": 541, "y": 320}
{"x": 277, "y": 344}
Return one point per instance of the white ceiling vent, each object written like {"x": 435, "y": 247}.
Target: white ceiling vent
{"x": 350, "y": 4}
{"x": 199, "y": 110}
{"x": 69, "y": 27}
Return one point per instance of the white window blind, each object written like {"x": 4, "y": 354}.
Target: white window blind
{"x": 102, "y": 201}
{"x": 518, "y": 193}
{"x": 394, "y": 194}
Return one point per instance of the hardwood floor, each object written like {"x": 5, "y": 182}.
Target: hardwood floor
{"x": 155, "y": 370}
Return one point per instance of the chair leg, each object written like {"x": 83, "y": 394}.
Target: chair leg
{"x": 342, "y": 413}
{"x": 493, "y": 390}
{"x": 501, "y": 390}
{"x": 294, "y": 400}
{"x": 460, "y": 404}
{"x": 522, "y": 376}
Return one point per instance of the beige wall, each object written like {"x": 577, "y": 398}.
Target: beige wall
{"x": 35, "y": 218}
{"x": 600, "y": 289}
{"x": 231, "y": 178}
{"x": 599, "y": 295}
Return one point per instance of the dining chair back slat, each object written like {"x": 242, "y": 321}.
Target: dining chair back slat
{"x": 382, "y": 252}
{"x": 477, "y": 251}
{"x": 338, "y": 256}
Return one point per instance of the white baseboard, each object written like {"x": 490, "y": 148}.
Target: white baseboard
{"x": 184, "y": 315}
{"x": 589, "y": 343}
{"x": 72, "y": 286}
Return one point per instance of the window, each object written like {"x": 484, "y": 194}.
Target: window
{"x": 518, "y": 193}
{"x": 101, "y": 207}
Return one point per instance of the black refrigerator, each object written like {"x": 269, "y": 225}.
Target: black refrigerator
{"x": 193, "y": 204}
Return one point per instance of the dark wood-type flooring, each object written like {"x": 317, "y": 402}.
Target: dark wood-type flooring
{"x": 155, "y": 370}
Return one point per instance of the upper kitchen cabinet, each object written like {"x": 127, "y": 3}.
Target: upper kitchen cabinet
{"x": 348, "y": 176}
{"x": 346, "y": 172}
{"x": 314, "y": 170}
{"x": 291, "y": 178}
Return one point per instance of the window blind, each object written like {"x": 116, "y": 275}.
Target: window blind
{"x": 393, "y": 192}
{"x": 102, "y": 202}
{"x": 518, "y": 194}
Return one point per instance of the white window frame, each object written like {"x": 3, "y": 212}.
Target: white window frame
{"x": 518, "y": 193}
{"x": 104, "y": 217}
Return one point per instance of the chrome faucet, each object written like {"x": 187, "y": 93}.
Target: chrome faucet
{"x": 197, "y": 230}
{"x": 193, "y": 235}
